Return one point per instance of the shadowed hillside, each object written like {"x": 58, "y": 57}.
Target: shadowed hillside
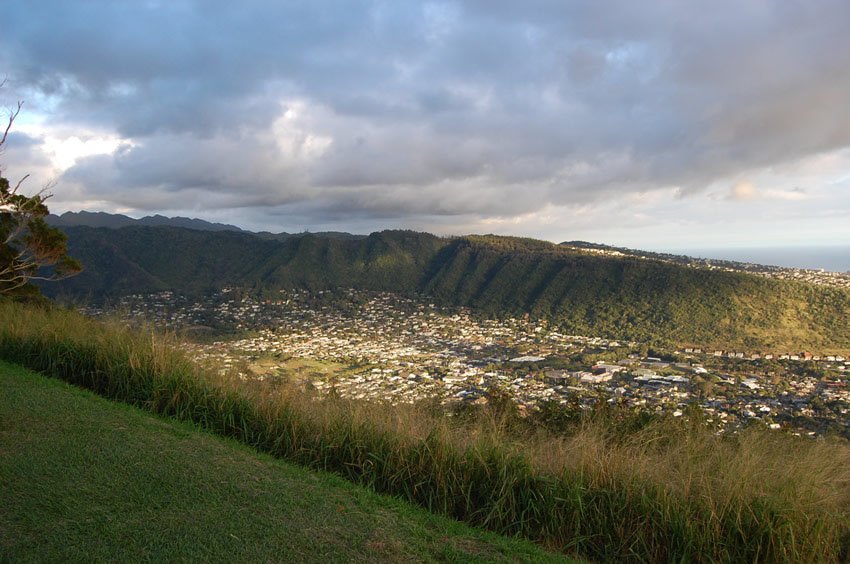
{"x": 620, "y": 297}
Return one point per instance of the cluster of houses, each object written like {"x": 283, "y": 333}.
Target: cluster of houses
{"x": 820, "y": 277}
{"x": 804, "y": 356}
{"x": 404, "y": 350}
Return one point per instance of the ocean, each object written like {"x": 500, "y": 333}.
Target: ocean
{"x": 832, "y": 258}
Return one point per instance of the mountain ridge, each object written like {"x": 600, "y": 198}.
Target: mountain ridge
{"x": 117, "y": 221}
{"x": 622, "y": 297}
{"x": 85, "y": 218}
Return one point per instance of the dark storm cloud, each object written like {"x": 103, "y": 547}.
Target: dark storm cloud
{"x": 411, "y": 109}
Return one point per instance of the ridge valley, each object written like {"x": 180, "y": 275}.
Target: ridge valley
{"x": 387, "y": 347}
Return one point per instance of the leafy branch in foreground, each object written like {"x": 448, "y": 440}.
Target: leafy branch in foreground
{"x": 30, "y": 249}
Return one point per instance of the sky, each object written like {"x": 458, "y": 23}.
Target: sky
{"x": 659, "y": 124}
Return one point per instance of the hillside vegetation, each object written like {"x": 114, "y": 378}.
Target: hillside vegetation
{"x": 625, "y": 298}
{"x": 87, "y": 480}
{"x": 612, "y": 486}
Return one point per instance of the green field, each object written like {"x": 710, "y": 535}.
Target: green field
{"x": 85, "y": 479}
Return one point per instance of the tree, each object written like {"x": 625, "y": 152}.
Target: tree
{"x": 30, "y": 249}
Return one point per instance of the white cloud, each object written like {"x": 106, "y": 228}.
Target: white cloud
{"x": 793, "y": 195}
{"x": 65, "y": 152}
{"x": 743, "y": 192}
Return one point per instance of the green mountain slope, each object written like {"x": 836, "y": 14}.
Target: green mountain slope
{"x": 619, "y": 297}
{"x": 640, "y": 299}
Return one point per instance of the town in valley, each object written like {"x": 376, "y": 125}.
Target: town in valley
{"x": 406, "y": 349}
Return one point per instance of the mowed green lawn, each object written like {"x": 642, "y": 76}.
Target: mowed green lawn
{"x": 84, "y": 479}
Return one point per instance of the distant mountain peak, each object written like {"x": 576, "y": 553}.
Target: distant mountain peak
{"x": 116, "y": 221}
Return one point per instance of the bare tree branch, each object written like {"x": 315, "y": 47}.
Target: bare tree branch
{"x": 18, "y": 185}
{"x": 12, "y": 115}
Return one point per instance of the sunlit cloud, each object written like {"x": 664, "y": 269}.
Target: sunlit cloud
{"x": 743, "y": 192}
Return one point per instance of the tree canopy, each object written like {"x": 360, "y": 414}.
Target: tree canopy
{"x": 30, "y": 249}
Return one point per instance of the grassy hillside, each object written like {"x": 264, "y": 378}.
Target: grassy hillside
{"x": 616, "y": 297}
{"x": 83, "y": 479}
{"x": 639, "y": 299}
{"x": 612, "y": 487}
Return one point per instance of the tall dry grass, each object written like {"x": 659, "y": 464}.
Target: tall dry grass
{"x": 667, "y": 490}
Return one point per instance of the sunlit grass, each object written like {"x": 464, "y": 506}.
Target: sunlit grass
{"x": 666, "y": 490}
{"x": 88, "y": 480}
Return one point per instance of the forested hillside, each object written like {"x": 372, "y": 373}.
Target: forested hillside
{"x": 611, "y": 296}
{"x": 638, "y": 298}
